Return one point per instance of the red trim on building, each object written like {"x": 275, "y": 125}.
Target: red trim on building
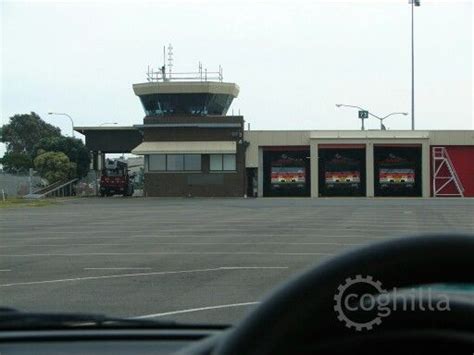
{"x": 341, "y": 146}
{"x": 399, "y": 145}
{"x": 284, "y": 148}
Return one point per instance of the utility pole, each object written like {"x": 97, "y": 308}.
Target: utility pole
{"x": 413, "y": 4}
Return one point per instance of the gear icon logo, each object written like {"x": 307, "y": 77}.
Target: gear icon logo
{"x": 341, "y": 296}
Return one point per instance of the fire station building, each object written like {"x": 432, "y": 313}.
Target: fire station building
{"x": 191, "y": 147}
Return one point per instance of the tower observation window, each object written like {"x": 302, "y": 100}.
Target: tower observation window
{"x": 185, "y": 104}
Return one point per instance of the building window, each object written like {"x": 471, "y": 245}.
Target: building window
{"x": 228, "y": 162}
{"x": 174, "y": 162}
{"x": 215, "y": 162}
{"x": 198, "y": 104}
{"x": 192, "y": 162}
{"x": 157, "y": 162}
{"x": 222, "y": 162}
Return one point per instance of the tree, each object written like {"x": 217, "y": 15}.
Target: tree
{"x": 24, "y": 131}
{"x": 75, "y": 150}
{"x": 54, "y": 166}
{"x": 16, "y": 162}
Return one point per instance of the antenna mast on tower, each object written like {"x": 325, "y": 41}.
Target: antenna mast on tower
{"x": 163, "y": 68}
{"x": 164, "y": 72}
{"x": 170, "y": 59}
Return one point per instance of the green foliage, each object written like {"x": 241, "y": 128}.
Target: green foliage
{"x": 54, "y": 166}
{"x": 16, "y": 162}
{"x": 24, "y": 131}
{"x": 75, "y": 150}
{"x": 28, "y": 136}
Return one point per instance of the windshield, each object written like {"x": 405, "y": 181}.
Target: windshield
{"x": 178, "y": 160}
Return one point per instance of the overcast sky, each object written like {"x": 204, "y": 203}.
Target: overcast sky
{"x": 293, "y": 60}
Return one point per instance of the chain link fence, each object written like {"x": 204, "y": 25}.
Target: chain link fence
{"x": 18, "y": 185}
{"x": 88, "y": 185}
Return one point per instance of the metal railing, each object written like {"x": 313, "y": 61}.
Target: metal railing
{"x": 58, "y": 189}
{"x": 202, "y": 75}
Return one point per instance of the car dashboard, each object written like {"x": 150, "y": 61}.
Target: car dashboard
{"x": 106, "y": 341}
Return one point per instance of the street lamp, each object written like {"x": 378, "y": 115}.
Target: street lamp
{"x": 381, "y": 119}
{"x": 382, "y": 126}
{"x": 107, "y": 123}
{"x": 64, "y": 114}
{"x": 413, "y": 4}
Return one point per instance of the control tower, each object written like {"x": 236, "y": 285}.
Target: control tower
{"x": 200, "y": 93}
{"x": 191, "y": 147}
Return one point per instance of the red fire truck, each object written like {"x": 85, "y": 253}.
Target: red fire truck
{"x": 337, "y": 178}
{"x": 397, "y": 178}
{"x": 288, "y": 175}
{"x": 115, "y": 179}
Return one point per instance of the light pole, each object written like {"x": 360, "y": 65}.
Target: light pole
{"x": 108, "y": 123}
{"x": 413, "y": 4}
{"x": 381, "y": 119}
{"x": 382, "y": 126}
{"x": 64, "y": 114}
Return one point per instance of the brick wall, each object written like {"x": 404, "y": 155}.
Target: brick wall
{"x": 204, "y": 183}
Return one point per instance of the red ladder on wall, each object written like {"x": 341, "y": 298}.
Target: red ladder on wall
{"x": 444, "y": 175}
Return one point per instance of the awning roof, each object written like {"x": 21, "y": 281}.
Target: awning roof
{"x": 186, "y": 87}
{"x": 219, "y": 147}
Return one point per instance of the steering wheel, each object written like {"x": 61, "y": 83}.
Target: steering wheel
{"x": 300, "y": 316}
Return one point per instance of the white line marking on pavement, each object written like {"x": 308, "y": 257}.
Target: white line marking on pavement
{"x": 166, "y": 253}
{"x": 178, "y": 243}
{"x": 142, "y": 274}
{"x": 232, "y": 236}
{"x": 194, "y": 310}
{"x": 253, "y": 267}
{"x": 117, "y": 268}
{"x": 5, "y": 270}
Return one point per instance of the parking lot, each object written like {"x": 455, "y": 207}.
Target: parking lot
{"x": 203, "y": 260}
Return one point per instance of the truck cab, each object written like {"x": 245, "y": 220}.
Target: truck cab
{"x": 115, "y": 179}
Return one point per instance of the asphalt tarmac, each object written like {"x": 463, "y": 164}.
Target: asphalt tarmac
{"x": 193, "y": 260}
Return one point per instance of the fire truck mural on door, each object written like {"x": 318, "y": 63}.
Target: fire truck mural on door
{"x": 288, "y": 175}
{"x": 391, "y": 178}
{"x": 342, "y": 173}
{"x": 288, "y": 171}
{"x": 397, "y": 171}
